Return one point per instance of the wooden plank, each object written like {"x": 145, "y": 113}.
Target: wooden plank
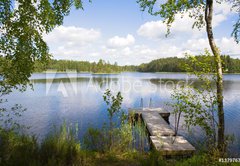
{"x": 165, "y": 146}
{"x": 161, "y": 111}
{"x": 161, "y": 134}
{"x": 156, "y": 125}
{"x": 164, "y": 113}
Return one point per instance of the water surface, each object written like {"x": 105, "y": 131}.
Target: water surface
{"x": 77, "y": 98}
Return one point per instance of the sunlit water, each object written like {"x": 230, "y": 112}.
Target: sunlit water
{"x": 77, "y": 98}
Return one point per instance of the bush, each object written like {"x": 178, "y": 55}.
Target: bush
{"x": 16, "y": 148}
{"x": 94, "y": 140}
{"x": 60, "y": 148}
{"x": 98, "y": 139}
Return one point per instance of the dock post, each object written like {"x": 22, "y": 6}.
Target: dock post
{"x": 150, "y": 103}
{"x": 141, "y": 103}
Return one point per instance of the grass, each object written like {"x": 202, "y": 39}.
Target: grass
{"x": 127, "y": 146}
{"x": 61, "y": 148}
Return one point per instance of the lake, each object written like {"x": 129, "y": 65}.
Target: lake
{"x": 77, "y": 98}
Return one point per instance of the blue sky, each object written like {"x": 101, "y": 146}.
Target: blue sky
{"x": 115, "y": 17}
{"x": 117, "y": 31}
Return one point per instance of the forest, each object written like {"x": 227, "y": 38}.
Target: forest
{"x": 82, "y": 66}
{"x": 172, "y": 64}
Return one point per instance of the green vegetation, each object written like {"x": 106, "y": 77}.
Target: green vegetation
{"x": 198, "y": 105}
{"x": 111, "y": 138}
{"x": 172, "y": 64}
{"x": 62, "y": 148}
{"x": 82, "y": 66}
{"x": 175, "y": 64}
{"x": 21, "y": 38}
{"x": 163, "y": 65}
{"x": 202, "y": 13}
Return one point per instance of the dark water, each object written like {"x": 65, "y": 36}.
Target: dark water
{"x": 77, "y": 98}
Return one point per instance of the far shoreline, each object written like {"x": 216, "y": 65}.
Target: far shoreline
{"x": 100, "y": 73}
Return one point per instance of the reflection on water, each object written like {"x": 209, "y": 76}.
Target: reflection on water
{"x": 77, "y": 97}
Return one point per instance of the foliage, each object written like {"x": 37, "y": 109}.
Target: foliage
{"x": 95, "y": 140}
{"x": 22, "y": 25}
{"x": 119, "y": 138}
{"x": 199, "y": 160}
{"x": 104, "y": 140}
{"x": 195, "y": 9}
{"x": 140, "y": 134}
{"x": 113, "y": 103}
{"x": 59, "y": 148}
{"x": 199, "y": 104}
{"x": 82, "y": 66}
{"x": 162, "y": 65}
{"x": 112, "y": 137}
{"x": 202, "y": 14}
{"x": 236, "y": 30}
{"x": 175, "y": 64}
{"x": 17, "y": 148}
{"x": 62, "y": 148}
{"x": 8, "y": 116}
{"x": 172, "y": 64}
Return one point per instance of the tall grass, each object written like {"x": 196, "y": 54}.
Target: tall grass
{"x": 140, "y": 135}
{"x": 60, "y": 148}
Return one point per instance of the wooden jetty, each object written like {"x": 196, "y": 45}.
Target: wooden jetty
{"x": 162, "y": 136}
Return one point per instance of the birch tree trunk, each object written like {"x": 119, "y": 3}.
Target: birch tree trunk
{"x": 216, "y": 53}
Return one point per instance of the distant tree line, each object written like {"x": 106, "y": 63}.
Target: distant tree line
{"x": 83, "y": 66}
{"x": 172, "y": 64}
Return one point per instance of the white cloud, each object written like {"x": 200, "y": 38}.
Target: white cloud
{"x": 226, "y": 45}
{"x": 221, "y": 12}
{"x": 152, "y": 29}
{"x": 82, "y": 44}
{"x": 222, "y": 8}
{"x": 196, "y": 46}
{"x": 137, "y": 54}
{"x": 16, "y": 4}
{"x": 182, "y": 25}
{"x": 218, "y": 18}
{"x": 185, "y": 39}
{"x": 71, "y": 42}
{"x": 117, "y": 41}
{"x": 72, "y": 35}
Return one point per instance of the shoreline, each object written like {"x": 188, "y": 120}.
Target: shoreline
{"x": 100, "y": 73}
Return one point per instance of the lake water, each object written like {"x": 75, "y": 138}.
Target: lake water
{"x": 77, "y": 98}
